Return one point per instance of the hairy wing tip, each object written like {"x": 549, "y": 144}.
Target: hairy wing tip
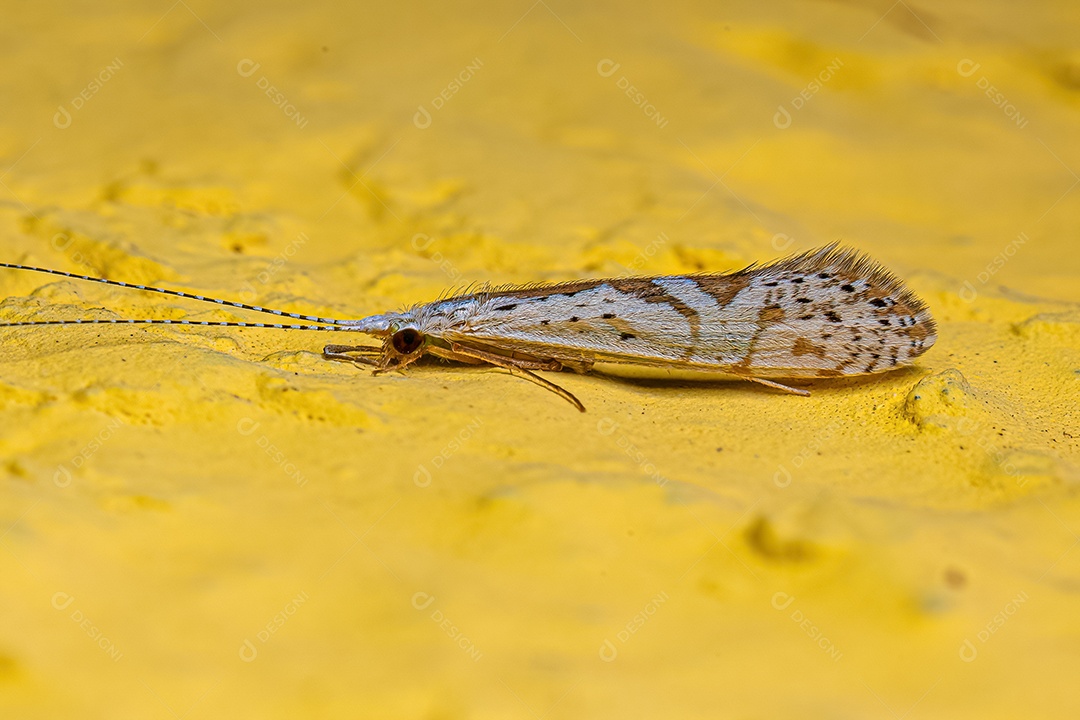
{"x": 843, "y": 260}
{"x": 854, "y": 264}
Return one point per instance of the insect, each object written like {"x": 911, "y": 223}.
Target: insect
{"x": 826, "y": 313}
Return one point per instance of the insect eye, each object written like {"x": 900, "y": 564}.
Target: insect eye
{"x": 407, "y": 341}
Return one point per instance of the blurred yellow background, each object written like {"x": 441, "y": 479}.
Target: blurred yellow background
{"x": 219, "y": 523}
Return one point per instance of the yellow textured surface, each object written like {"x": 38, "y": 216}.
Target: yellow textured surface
{"x": 221, "y": 524}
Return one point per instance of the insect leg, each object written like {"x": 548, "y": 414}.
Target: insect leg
{"x": 339, "y": 352}
{"x": 518, "y": 371}
{"x": 778, "y": 386}
{"x": 457, "y": 357}
{"x": 523, "y": 363}
{"x": 581, "y": 367}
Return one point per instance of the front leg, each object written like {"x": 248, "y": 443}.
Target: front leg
{"x": 340, "y": 352}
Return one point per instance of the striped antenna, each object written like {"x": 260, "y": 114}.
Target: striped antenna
{"x": 176, "y": 293}
{"x": 278, "y": 326}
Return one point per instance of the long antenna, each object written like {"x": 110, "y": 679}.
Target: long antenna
{"x": 214, "y": 323}
{"x": 177, "y": 293}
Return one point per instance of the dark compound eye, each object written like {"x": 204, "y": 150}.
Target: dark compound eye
{"x": 407, "y": 341}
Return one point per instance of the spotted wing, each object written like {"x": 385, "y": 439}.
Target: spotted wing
{"x": 828, "y": 312}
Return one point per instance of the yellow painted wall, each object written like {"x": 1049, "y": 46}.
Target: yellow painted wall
{"x": 219, "y": 523}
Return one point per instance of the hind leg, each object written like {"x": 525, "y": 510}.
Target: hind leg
{"x": 519, "y": 367}
{"x": 525, "y": 363}
{"x": 778, "y": 386}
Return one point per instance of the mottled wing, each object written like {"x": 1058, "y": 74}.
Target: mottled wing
{"x": 833, "y": 312}
{"x": 631, "y": 320}
{"x": 827, "y": 312}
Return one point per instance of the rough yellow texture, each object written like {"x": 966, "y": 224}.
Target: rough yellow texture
{"x": 220, "y": 523}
